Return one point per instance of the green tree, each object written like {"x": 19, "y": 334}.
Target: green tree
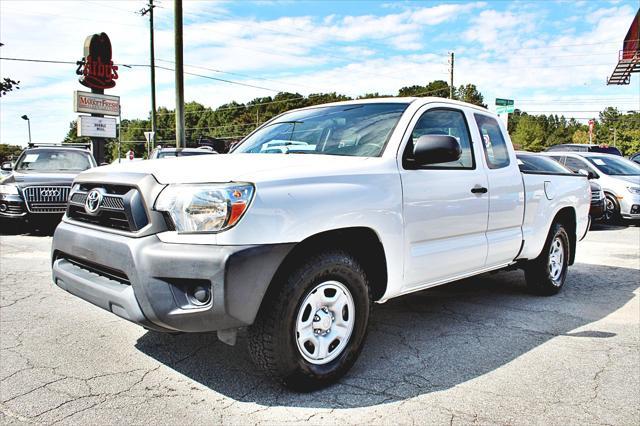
{"x": 469, "y": 93}
{"x": 438, "y": 88}
{"x": 580, "y": 136}
{"x": 529, "y": 135}
{"x": 9, "y": 152}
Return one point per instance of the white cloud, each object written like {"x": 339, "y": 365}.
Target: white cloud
{"x": 502, "y": 52}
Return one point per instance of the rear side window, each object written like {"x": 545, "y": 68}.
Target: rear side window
{"x": 493, "y": 143}
{"x": 449, "y": 122}
{"x": 575, "y": 165}
{"x": 538, "y": 163}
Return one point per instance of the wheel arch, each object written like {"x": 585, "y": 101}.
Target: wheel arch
{"x": 361, "y": 242}
{"x": 567, "y": 217}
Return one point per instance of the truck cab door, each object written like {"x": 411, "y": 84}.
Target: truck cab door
{"x": 506, "y": 192}
{"x": 445, "y": 206}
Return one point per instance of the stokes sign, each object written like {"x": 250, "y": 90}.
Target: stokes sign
{"x": 96, "y": 69}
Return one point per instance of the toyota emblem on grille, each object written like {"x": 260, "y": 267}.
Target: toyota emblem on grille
{"x": 94, "y": 199}
{"x": 50, "y": 193}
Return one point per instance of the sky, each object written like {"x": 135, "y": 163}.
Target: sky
{"x": 551, "y": 57}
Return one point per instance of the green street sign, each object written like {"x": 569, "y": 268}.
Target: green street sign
{"x": 501, "y": 109}
{"x": 504, "y": 102}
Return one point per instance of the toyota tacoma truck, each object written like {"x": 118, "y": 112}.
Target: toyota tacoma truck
{"x": 313, "y": 217}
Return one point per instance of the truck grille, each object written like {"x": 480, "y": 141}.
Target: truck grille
{"x": 46, "y": 199}
{"x": 121, "y": 208}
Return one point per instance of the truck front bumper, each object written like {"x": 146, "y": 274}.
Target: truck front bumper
{"x": 160, "y": 285}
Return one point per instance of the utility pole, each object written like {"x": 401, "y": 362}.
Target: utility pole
{"x": 143, "y": 12}
{"x": 177, "y": 17}
{"x": 451, "y": 75}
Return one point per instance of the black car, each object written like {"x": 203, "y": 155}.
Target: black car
{"x": 580, "y": 147}
{"x": 530, "y": 162}
{"x": 39, "y": 185}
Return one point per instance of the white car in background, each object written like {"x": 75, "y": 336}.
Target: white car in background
{"x": 618, "y": 177}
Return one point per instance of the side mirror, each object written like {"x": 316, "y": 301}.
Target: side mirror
{"x": 588, "y": 174}
{"x": 7, "y": 166}
{"x": 434, "y": 149}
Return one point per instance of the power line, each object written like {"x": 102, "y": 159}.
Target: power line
{"x": 238, "y": 74}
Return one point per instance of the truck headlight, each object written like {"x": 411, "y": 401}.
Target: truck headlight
{"x": 8, "y": 189}
{"x": 205, "y": 207}
{"x": 634, "y": 189}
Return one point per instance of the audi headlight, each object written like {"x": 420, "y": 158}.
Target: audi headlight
{"x": 634, "y": 189}
{"x": 205, "y": 207}
{"x": 8, "y": 189}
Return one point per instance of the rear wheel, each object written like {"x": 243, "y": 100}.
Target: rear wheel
{"x": 310, "y": 329}
{"x": 546, "y": 274}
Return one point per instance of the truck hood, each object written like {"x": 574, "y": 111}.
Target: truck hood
{"x": 238, "y": 167}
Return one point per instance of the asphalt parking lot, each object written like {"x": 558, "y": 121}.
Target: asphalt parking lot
{"x": 479, "y": 350}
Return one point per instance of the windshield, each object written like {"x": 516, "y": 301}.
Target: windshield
{"x": 167, "y": 154}
{"x": 538, "y": 163}
{"x": 615, "y": 166}
{"x": 357, "y": 130}
{"x": 54, "y": 161}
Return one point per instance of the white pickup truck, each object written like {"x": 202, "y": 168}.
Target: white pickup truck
{"x": 316, "y": 215}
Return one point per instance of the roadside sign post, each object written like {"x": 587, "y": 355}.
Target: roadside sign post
{"x": 505, "y": 106}
{"x": 97, "y": 72}
{"x": 149, "y": 136}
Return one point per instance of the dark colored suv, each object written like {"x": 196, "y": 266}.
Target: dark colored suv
{"x": 579, "y": 147}
{"x": 40, "y": 182}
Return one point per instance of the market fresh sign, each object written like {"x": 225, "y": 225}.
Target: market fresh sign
{"x": 98, "y": 127}
{"x": 94, "y": 103}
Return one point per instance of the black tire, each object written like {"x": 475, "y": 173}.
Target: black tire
{"x": 611, "y": 209}
{"x": 273, "y": 338}
{"x": 540, "y": 277}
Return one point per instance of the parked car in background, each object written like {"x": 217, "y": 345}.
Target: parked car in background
{"x": 618, "y": 177}
{"x": 160, "y": 152}
{"x": 389, "y": 197}
{"x": 39, "y": 185}
{"x": 580, "y": 147}
{"x": 6, "y": 171}
{"x": 536, "y": 163}
{"x": 635, "y": 157}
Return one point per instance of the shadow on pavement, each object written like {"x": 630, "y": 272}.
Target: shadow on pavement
{"x": 622, "y": 224}
{"x": 43, "y": 228}
{"x": 420, "y": 343}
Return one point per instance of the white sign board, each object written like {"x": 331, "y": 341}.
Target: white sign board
{"x": 149, "y": 136}
{"x": 99, "y": 127}
{"x": 95, "y": 103}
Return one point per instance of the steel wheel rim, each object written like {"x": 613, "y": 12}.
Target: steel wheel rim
{"x": 324, "y": 323}
{"x": 556, "y": 260}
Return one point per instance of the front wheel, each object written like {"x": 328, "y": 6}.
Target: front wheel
{"x": 611, "y": 209}
{"x": 311, "y": 327}
{"x": 546, "y": 274}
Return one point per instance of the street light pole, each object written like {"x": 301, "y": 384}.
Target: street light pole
{"x": 24, "y": 117}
